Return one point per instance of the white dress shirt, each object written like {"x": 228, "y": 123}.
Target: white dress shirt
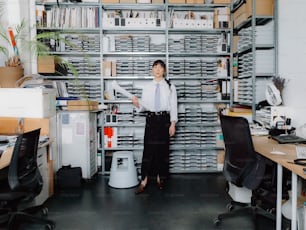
{"x": 168, "y": 98}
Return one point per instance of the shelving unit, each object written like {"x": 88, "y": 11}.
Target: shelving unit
{"x": 78, "y": 26}
{"x": 256, "y": 53}
{"x": 194, "y": 43}
{"x": 191, "y": 52}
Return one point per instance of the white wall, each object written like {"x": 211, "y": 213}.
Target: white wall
{"x": 17, "y": 10}
{"x": 292, "y": 56}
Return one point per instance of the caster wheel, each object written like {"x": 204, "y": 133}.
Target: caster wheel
{"x": 217, "y": 221}
{"x": 50, "y": 226}
{"x": 230, "y": 207}
{"x": 45, "y": 211}
{"x": 226, "y": 187}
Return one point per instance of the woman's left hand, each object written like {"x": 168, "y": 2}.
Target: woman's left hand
{"x": 172, "y": 129}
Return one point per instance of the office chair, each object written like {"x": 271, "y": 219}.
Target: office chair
{"x": 244, "y": 169}
{"x": 24, "y": 184}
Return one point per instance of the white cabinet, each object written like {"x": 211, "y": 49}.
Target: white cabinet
{"x": 77, "y": 140}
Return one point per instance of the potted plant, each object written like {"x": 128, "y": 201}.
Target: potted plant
{"x": 16, "y": 42}
{"x": 13, "y": 69}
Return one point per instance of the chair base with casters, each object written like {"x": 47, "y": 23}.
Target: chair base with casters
{"x": 244, "y": 170}
{"x": 246, "y": 201}
{"x": 12, "y": 216}
{"x": 19, "y": 218}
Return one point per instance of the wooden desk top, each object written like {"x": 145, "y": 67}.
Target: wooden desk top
{"x": 6, "y": 156}
{"x": 264, "y": 145}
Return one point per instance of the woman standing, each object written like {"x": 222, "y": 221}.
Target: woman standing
{"x": 160, "y": 100}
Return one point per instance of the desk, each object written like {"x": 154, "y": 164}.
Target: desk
{"x": 264, "y": 145}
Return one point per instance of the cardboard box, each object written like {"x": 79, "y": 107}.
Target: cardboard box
{"x": 235, "y": 43}
{"x": 144, "y": 1}
{"x": 45, "y": 64}
{"x": 128, "y": 1}
{"x": 263, "y": 8}
{"x": 107, "y": 68}
{"x": 240, "y": 19}
{"x": 114, "y": 68}
{"x": 158, "y": 2}
{"x": 9, "y": 76}
{"x": 9, "y": 125}
{"x": 222, "y": 1}
{"x": 82, "y": 107}
{"x": 110, "y": 1}
{"x": 27, "y": 102}
{"x": 53, "y": 69}
{"x": 176, "y": 1}
{"x": 82, "y": 103}
{"x": 46, "y": 60}
{"x": 195, "y": 1}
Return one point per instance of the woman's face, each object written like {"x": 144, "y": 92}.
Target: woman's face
{"x": 158, "y": 71}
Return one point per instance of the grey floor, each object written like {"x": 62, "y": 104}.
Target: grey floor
{"x": 189, "y": 202}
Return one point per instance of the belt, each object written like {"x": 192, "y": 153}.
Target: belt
{"x": 161, "y": 113}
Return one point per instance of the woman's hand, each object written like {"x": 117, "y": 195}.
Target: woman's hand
{"x": 135, "y": 101}
{"x": 172, "y": 129}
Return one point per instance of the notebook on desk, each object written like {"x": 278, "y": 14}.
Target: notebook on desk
{"x": 288, "y": 138}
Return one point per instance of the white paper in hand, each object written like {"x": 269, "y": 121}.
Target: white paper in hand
{"x": 121, "y": 90}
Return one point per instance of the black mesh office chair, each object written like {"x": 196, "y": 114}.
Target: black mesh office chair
{"x": 244, "y": 169}
{"x": 24, "y": 184}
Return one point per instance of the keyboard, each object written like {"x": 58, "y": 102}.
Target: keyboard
{"x": 289, "y": 138}
{"x": 300, "y": 151}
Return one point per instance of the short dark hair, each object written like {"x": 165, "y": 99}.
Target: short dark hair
{"x": 160, "y": 62}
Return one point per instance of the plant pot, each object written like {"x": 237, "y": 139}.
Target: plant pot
{"x": 9, "y": 76}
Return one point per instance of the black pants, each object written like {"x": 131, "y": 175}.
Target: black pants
{"x": 155, "y": 159}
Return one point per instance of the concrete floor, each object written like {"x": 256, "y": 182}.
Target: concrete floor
{"x": 188, "y": 202}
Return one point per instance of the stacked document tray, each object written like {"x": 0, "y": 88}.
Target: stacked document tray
{"x": 141, "y": 43}
{"x": 90, "y": 67}
{"x": 177, "y": 67}
{"x": 128, "y": 138}
{"x": 124, "y": 66}
{"x": 245, "y": 90}
{"x": 81, "y": 43}
{"x": 142, "y": 67}
{"x": 205, "y": 43}
{"x": 209, "y": 67}
{"x": 138, "y": 43}
{"x": 206, "y": 67}
{"x": 193, "y": 43}
{"x": 124, "y": 43}
{"x": 210, "y": 43}
{"x": 134, "y": 66}
{"x": 195, "y": 136}
{"x": 84, "y": 89}
{"x": 193, "y": 160}
{"x": 176, "y": 45}
{"x": 193, "y": 66}
{"x": 192, "y": 89}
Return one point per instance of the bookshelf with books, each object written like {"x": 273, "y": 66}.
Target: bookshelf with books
{"x": 76, "y": 29}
